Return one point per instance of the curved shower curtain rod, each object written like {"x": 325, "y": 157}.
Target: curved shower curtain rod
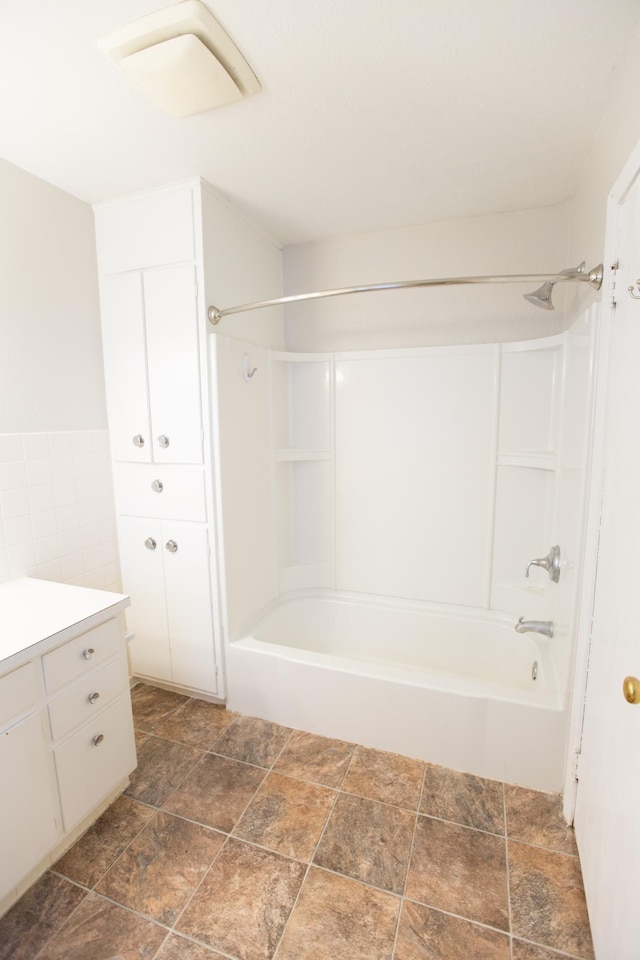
{"x": 579, "y": 274}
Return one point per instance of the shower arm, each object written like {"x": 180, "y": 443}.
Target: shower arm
{"x": 593, "y": 278}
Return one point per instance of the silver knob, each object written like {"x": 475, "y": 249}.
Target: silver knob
{"x": 93, "y": 697}
{"x": 163, "y": 441}
{"x": 97, "y": 740}
{"x": 158, "y": 486}
{"x": 138, "y": 440}
{"x": 171, "y": 546}
{"x": 150, "y": 543}
{"x": 88, "y": 653}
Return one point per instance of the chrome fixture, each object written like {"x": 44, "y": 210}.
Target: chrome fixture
{"x": 534, "y": 670}
{"x": 247, "y": 370}
{"x": 138, "y": 440}
{"x": 593, "y": 278}
{"x": 163, "y": 441}
{"x": 542, "y": 296}
{"x": 545, "y": 627}
{"x": 157, "y": 486}
{"x": 632, "y": 293}
{"x": 150, "y": 543}
{"x": 171, "y": 546}
{"x": 550, "y": 563}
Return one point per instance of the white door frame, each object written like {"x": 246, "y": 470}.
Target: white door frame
{"x": 595, "y": 480}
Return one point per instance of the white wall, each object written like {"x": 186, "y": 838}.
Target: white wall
{"x": 50, "y": 362}
{"x": 529, "y": 241}
{"x": 56, "y": 499}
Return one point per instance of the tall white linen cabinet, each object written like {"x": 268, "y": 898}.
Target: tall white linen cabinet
{"x": 163, "y": 256}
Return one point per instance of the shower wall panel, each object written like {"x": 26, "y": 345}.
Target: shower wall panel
{"x": 415, "y": 473}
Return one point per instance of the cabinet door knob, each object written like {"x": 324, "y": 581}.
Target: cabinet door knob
{"x": 163, "y": 441}
{"x": 138, "y": 440}
{"x": 93, "y": 697}
{"x": 88, "y": 653}
{"x": 158, "y": 486}
{"x": 97, "y": 740}
{"x": 150, "y": 543}
{"x": 171, "y": 546}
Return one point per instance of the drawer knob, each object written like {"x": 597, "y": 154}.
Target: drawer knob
{"x": 93, "y": 697}
{"x": 97, "y": 740}
{"x": 150, "y": 543}
{"x": 88, "y": 653}
{"x": 171, "y": 546}
{"x": 138, "y": 440}
{"x": 163, "y": 441}
{"x": 158, "y": 486}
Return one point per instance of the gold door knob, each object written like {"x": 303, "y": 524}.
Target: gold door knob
{"x": 631, "y": 689}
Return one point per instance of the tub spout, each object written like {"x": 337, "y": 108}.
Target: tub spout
{"x": 545, "y": 627}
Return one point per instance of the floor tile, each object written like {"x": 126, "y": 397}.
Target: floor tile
{"x": 528, "y": 951}
{"x": 368, "y": 841}
{"x": 162, "y": 766}
{"x": 100, "y": 930}
{"x": 463, "y": 798}
{"x": 151, "y": 705}
{"x": 91, "y": 856}
{"x": 179, "y": 948}
{"x": 287, "y": 815}
{"x": 37, "y": 916}
{"x": 426, "y": 934}
{"x": 459, "y": 870}
{"x": 385, "y": 776}
{"x": 216, "y": 792}
{"x": 536, "y": 818}
{"x": 339, "y": 918}
{"x": 162, "y": 868}
{"x": 318, "y": 759}
{"x": 547, "y": 899}
{"x": 252, "y": 740}
{"x": 244, "y": 901}
{"x": 197, "y": 723}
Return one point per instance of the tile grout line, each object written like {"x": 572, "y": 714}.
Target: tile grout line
{"x": 410, "y": 858}
{"x": 506, "y": 856}
{"x": 66, "y": 919}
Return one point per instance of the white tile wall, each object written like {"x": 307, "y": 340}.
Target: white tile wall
{"x": 57, "y": 514}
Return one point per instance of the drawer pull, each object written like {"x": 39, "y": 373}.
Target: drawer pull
{"x": 163, "y": 441}
{"x": 138, "y": 440}
{"x": 150, "y": 543}
{"x": 171, "y": 546}
{"x": 93, "y": 697}
{"x": 97, "y": 740}
{"x": 88, "y": 653}
{"x": 158, "y": 486}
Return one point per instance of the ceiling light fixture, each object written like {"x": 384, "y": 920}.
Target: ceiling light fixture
{"x": 182, "y": 59}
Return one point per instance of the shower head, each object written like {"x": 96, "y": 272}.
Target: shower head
{"x": 542, "y": 296}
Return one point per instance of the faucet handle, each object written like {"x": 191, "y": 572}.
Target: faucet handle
{"x": 551, "y": 563}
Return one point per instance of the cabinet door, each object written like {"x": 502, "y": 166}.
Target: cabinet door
{"x": 173, "y": 359}
{"x": 28, "y": 823}
{"x": 142, "y": 579}
{"x": 189, "y": 605}
{"x": 125, "y": 364}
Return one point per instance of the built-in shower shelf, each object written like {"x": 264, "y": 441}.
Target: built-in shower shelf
{"x": 289, "y": 454}
{"x": 536, "y": 460}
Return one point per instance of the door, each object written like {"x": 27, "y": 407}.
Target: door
{"x": 607, "y": 818}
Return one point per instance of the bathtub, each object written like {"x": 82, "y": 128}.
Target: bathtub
{"x": 461, "y": 689}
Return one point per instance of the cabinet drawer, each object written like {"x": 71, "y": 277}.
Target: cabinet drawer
{"x": 87, "y": 698}
{"x": 81, "y": 655}
{"x": 19, "y": 690}
{"x": 88, "y": 767}
{"x": 169, "y": 492}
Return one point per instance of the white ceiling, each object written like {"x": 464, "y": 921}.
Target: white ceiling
{"x": 373, "y": 113}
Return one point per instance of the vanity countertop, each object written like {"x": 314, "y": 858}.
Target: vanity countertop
{"x": 32, "y": 611}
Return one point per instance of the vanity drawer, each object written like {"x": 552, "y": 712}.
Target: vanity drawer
{"x": 19, "y": 690}
{"x": 94, "y": 760}
{"x": 81, "y": 656}
{"x": 169, "y": 492}
{"x": 87, "y": 698}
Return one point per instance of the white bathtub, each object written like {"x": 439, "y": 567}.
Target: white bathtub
{"x": 455, "y": 689}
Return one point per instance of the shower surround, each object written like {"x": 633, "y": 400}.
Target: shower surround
{"x": 379, "y": 510}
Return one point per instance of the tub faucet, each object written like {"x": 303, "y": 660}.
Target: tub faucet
{"x": 550, "y": 563}
{"x": 545, "y": 627}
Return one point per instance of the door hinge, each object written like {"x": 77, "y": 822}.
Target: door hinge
{"x": 577, "y": 763}
{"x": 612, "y": 283}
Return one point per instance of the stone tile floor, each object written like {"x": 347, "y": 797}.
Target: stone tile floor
{"x": 243, "y": 839}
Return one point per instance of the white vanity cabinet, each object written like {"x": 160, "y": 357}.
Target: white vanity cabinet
{"x": 66, "y": 731}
